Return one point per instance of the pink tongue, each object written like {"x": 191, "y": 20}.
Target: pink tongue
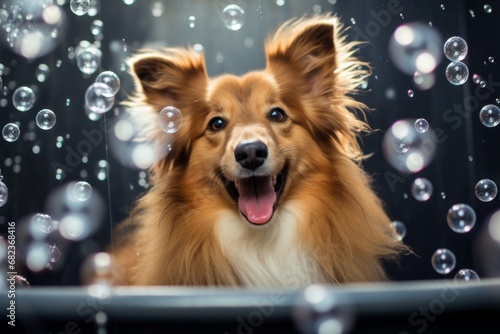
{"x": 257, "y": 199}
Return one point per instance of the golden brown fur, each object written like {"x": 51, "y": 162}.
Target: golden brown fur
{"x": 189, "y": 230}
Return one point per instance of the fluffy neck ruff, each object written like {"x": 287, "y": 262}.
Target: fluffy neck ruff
{"x": 267, "y": 257}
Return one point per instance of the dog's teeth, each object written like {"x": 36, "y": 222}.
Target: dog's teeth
{"x": 275, "y": 179}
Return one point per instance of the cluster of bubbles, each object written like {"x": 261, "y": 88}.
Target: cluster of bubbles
{"x": 100, "y": 96}
{"x": 78, "y": 210}
{"x": 41, "y": 252}
{"x": 23, "y": 99}
{"x": 455, "y": 49}
{"x": 415, "y": 49}
{"x": 170, "y": 119}
{"x": 127, "y": 146}
{"x": 409, "y": 145}
{"x": 31, "y": 28}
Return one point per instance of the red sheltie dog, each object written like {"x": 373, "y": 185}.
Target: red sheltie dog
{"x": 263, "y": 185}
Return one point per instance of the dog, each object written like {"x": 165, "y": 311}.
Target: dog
{"x": 262, "y": 185}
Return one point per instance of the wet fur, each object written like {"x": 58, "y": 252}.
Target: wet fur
{"x": 329, "y": 226}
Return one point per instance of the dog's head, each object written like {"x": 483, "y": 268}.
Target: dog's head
{"x": 257, "y": 134}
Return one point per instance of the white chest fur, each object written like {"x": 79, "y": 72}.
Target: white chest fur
{"x": 267, "y": 256}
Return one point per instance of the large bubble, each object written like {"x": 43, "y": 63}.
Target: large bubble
{"x": 170, "y": 119}
{"x": 88, "y": 58}
{"x": 99, "y": 98}
{"x": 457, "y": 73}
{"x": 455, "y": 48}
{"x": 23, "y": 98}
{"x": 443, "y": 261}
{"x": 31, "y": 28}
{"x": 111, "y": 79}
{"x": 233, "y": 17}
{"x": 77, "y": 218}
{"x": 461, "y": 218}
{"x": 10, "y": 132}
{"x": 45, "y": 119}
{"x": 416, "y": 47}
{"x": 490, "y": 115}
{"x": 406, "y": 149}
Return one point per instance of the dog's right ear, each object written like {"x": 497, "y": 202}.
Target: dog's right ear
{"x": 169, "y": 77}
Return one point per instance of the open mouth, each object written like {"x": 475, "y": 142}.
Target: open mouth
{"x": 257, "y": 196}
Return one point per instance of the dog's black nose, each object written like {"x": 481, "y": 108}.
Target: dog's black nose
{"x": 251, "y": 155}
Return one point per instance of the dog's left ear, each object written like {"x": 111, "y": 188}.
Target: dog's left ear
{"x": 305, "y": 50}
{"x": 316, "y": 71}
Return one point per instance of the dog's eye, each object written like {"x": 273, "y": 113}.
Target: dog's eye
{"x": 277, "y": 115}
{"x": 217, "y": 124}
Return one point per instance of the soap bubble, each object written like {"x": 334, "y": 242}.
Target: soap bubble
{"x": 476, "y": 78}
{"x": 96, "y": 27}
{"x": 54, "y": 253}
{"x": 415, "y": 47}
{"x": 233, "y": 17}
{"x": 443, "y": 261}
{"x": 88, "y": 59}
{"x": 23, "y": 98}
{"x": 457, "y": 73}
{"x": 37, "y": 256}
{"x": 406, "y": 149}
{"x": 111, "y": 79}
{"x": 98, "y": 268}
{"x": 461, "y": 218}
{"x": 42, "y": 72}
{"x": 79, "y": 7}
{"x": 10, "y": 132}
{"x": 41, "y": 225}
{"x": 170, "y": 119}
{"x": 4, "y": 194}
{"x": 82, "y": 191}
{"x": 421, "y": 125}
{"x": 99, "y": 98}
{"x": 77, "y": 217}
{"x": 101, "y": 170}
{"x": 45, "y": 119}
{"x": 455, "y": 48}
{"x": 320, "y": 311}
{"x": 487, "y": 8}
{"x": 490, "y": 115}
{"x": 421, "y": 189}
{"x": 424, "y": 81}
{"x": 410, "y": 93}
{"x": 157, "y": 9}
{"x": 486, "y": 190}
{"x": 466, "y": 275}
{"x": 399, "y": 229}
{"x": 31, "y": 28}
